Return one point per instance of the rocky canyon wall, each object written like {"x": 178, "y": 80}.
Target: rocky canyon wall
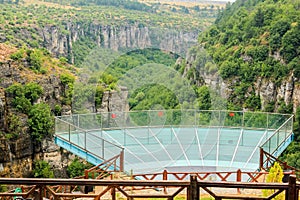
{"x": 123, "y": 37}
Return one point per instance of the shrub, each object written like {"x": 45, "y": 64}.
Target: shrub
{"x": 18, "y": 55}
{"x": 275, "y": 176}
{"x": 41, "y": 169}
{"x": 33, "y": 91}
{"x": 40, "y": 121}
{"x": 35, "y": 59}
{"x": 76, "y": 168}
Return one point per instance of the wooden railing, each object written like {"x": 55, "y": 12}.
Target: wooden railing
{"x": 267, "y": 160}
{"x": 103, "y": 169}
{"x": 238, "y": 176}
{"x": 53, "y": 189}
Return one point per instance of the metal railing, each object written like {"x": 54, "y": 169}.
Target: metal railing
{"x": 275, "y": 143}
{"x": 87, "y": 143}
{"x": 82, "y": 131}
{"x": 176, "y": 118}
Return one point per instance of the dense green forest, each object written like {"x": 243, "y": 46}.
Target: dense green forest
{"x": 255, "y": 39}
{"x": 156, "y": 68}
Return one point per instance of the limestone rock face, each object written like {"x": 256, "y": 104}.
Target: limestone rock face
{"x": 125, "y": 37}
{"x": 18, "y": 153}
{"x": 115, "y": 101}
{"x": 269, "y": 90}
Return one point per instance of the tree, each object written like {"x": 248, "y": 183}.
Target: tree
{"x": 259, "y": 18}
{"x": 275, "y": 176}
{"x": 204, "y": 100}
{"x": 35, "y": 59}
{"x": 291, "y": 43}
{"x": 33, "y": 91}
{"x": 40, "y": 121}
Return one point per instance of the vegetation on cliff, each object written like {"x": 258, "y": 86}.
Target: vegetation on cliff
{"x": 252, "y": 39}
{"x": 24, "y": 23}
{"x": 31, "y": 92}
{"x": 255, "y": 40}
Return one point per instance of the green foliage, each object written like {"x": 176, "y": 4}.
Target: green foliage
{"x": 24, "y": 96}
{"x": 253, "y": 39}
{"x": 292, "y": 154}
{"x": 151, "y": 96}
{"x": 40, "y": 121}
{"x": 284, "y": 108}
{"x": 14, "y": 127}
{"x": 3, "y": 188}
{"x": 275, "y": 175}
{"x": 57, "y": 110}
{"x": 32, "y": 91}
{"x": 15, "y": 90}
{"x": 63, "y": 60}
{"x": 68, "y": 82}
{"x": 258, "y": 53}
{"x": 42, "y": 169}
{"x": 253, "y": 103}
{"x": 81, "y": 49}
{"x": 18, "y": 55}
{"x": 203, "y": 98}
{"x": 269, "y": 107}
{"x": 77, "y": 167}
{"x": 140, "y": 57}
{"x": 84, "y": 94}
{"x": 22, "y": 104}
{"x": 35, "y": 59}
{"x": 99, "y": 95}
{"x": 67, "y": 79}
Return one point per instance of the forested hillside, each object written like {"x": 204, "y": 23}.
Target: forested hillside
{"x": 39, "y": 40}
{"x": 254, "y": 47}
{"x": 72, "y": 28}
{"x": 254, "y": 39}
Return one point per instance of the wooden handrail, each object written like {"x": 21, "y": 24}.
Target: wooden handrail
{"x": 43, "y": 188}
{"x": 220, "y": 176}
{"x": 265, "y": 164}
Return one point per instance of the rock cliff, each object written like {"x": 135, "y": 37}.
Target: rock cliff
{"x": 18, "y": 152}
{"x": 270, "y": 91}
{"x": 124, "y": 37}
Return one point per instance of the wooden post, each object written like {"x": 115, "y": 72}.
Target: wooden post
{"x": 261, "y": 158}
{"x": 113, "y": 193}
{"x": 86, "y": 174}
{"x": 41, "y": 192}
{"x": 165, "y": 177}
{"x": 238, "y": 179}
{"x": 193, "y": 190}
{"x": 122, "y": 161}
{"x": 291, "y": 193}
